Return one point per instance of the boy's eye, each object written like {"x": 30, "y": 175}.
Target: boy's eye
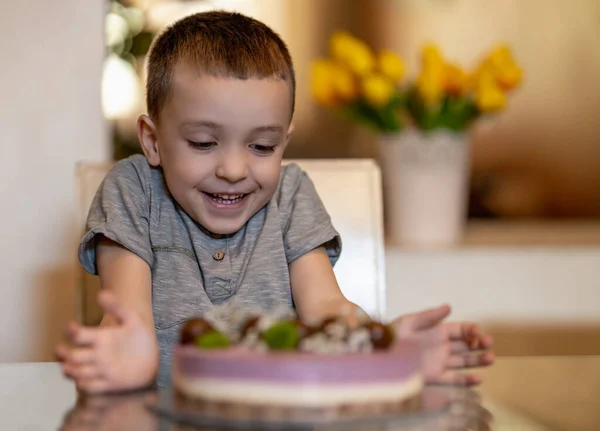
{"x": 202, "y": 145}
{"x": 263, "y": 149}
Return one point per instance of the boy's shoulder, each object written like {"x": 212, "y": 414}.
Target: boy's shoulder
{"x": 289, "y": 169}
{"x": 135, "y": 164}
{"x": 295, "y": 186}
{"x": 290, "y": 180}
{"x": 135, "y": 172}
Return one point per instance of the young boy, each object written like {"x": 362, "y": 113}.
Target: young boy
{"x": 208, "y": 215}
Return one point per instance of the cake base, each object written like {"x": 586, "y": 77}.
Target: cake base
{"x": 258, "y": 394}
{"x": 297, "y": 414}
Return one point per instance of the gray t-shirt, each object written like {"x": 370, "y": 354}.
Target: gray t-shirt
{"x": 193, "y": 269}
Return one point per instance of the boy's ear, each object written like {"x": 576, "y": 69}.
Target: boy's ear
{"x": 288, "y": 135}
{"x": 148, "y": 140}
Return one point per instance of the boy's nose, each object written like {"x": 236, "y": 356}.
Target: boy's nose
{"x": 232, "y": 167}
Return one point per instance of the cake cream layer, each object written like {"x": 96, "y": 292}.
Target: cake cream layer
{"x": 392, "y": 365}
{"x": 306, "y": 395}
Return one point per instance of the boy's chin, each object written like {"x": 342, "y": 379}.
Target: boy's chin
{"x": 222, "y": 229}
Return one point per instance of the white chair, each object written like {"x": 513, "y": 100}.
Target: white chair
{"x": 351, "y": 192}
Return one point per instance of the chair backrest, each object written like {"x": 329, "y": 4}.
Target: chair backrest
{"x": 351, "y": 192}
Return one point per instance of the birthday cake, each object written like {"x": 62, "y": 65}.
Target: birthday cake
{"x": 280, "y": 361}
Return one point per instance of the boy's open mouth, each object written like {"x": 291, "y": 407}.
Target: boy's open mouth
{"x": 224, "y": 199}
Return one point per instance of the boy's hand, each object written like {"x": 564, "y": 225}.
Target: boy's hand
{"x": 446, "y": 347}
{"x": 119, "y": 357}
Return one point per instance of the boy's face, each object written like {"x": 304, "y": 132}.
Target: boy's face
{"x": 220, "y": 142}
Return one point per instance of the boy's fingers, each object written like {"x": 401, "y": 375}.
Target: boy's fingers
{"x": 428, "y": 318}
{"x": 111, "y": 305}
{"x": 486, "y": 342}
{"x": 457, "y": 347}
{"x": 470, "y": 360}
{"x": 83, "y": 356}
{"x": 480, "y": 342}
{"x": 65, "y": 371}
{"x": 61, "y": 352}
{"x": 92, "y": 386}
{"x": 463, "y": 331}
{"x": 470, "y": 334}
{"x": 81, "y": 336}
{"x": 82, "y": 372}
{"x": 75, "y": 356}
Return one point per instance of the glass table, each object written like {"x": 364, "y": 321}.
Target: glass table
{"x": 518, "y": 394}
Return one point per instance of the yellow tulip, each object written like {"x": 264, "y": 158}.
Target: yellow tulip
{"x": 501, "y": 56}
{"x": 323, "y": 83}
{"x": 484, "y": 72}
{"x": 430, "y": 85}
{"x": 490, "y": 98}
{"x": 352, "y": 52}
{"x": 391, "y": 65}
{"x": 501, "y": 64}
{"x": 344, "y": 83}
{"x": 431, "y": 56}
{"x": 509, "y": 77}
{"x": 332, "y": 84}
{"x": 456, "y": 80}
{"x": 377, "y": 89}
{"x": 341, "y": 45}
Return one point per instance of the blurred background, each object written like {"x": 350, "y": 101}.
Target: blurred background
{"x": 71, "y": 86}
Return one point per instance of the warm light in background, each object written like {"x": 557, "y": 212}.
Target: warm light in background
{"x": 121, "y": 88}
{"x": 164, "y": 13}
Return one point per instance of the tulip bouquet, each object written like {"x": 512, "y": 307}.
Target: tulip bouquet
{"x": 369, "y": 87}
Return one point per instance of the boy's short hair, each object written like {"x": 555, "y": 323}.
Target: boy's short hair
{"x": 219, "y": 44}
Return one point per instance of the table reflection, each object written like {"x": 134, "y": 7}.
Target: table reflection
{"x": 150, "y": 411}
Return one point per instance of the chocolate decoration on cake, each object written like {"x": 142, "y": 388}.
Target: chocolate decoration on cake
{"x": 277, "y": 330}
{"x": 251, "y": 323}
{"x": 305, "y": 330}
{"x": 382, "y": 336}
{"x": 327, "y": 321}
{"x": 193, "y": 329}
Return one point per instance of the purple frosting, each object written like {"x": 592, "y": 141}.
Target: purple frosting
{"x": 398, "y": 363}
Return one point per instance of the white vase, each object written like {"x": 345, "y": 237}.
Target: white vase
{"x": 425, "y": 178}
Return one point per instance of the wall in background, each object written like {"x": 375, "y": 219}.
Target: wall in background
{"x": 50, "y": 118}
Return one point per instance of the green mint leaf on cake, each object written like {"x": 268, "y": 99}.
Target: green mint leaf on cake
{"x": 281, "y": 336}
{"x": 212, "y": 340}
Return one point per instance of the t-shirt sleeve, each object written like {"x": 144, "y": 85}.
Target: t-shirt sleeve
{"x": 306, "y": 223}
{"x": 120, "y": 211}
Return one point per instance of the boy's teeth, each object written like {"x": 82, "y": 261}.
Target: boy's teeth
{"x": 229, "y": 197}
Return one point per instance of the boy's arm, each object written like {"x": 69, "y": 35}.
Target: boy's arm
{"x": 315, "y": 289}
{"x": 128, "y": 277}
{"x": 446, "y": 347}
{"x": 121, "y": 354}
